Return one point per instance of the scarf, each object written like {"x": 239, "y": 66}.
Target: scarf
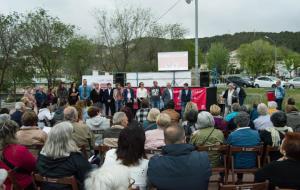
{"x": 276, "y": 141}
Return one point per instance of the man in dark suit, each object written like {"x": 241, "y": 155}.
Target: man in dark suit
{"x": 128, "y": 95}
{"x": 97, "y": 96}
{"x": 109, "y": 100}
{"x": 167, "y": 94}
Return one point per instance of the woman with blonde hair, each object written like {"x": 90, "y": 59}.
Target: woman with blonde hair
{"x": 189, "y": 106}
{"x": 150, "y": 123}
{"x": 155, "y": 138}
{"x": 215, "y": 111}
{"x": 60, "y": 157}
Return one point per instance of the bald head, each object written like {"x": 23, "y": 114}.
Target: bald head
{"x": 174, "y": 135}
{"x": 70, "y": 114}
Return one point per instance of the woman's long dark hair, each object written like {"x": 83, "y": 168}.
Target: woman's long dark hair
{"x": 131, "y": 145}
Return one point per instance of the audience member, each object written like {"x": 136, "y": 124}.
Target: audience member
{"x": 170, "y": 110}
{"x": 142, "y": 113}
{"x": 215, "y": 111}
{"x": 272, "y": 107}
{"x": 189, "y": 124}
{"x": 4, "y": 114}
{"x": 207, "y": 135}
{"x": 81, "y": 108}
{"x": 279, "y": 94}
{"x": 235, "y": 107}
{"x": 180, "y": 166}
{"x": 28, "y": 104}
{"x": 243, "y": 136}
{"x": 189, "y": 107}
{"x": 40, "y": 96}
{"x": 291, "y": 101}
{"x": 109, "y": 100}
{"x": 285, "y": 172}
{"x": 128, "y": 111}
{"x": 60, "y": 157}
{"x": 51, "y": 97}
{"x": 155, "y": 137}
{"x": 17, "y": 115}
{"x": 29, "y": 95}
{"x": 111, "y": 135}
{"x": 97, "y": 122}
{"x": 45, "y": 116}
{"x": 263, "y": 121}
{"x": 15, "y": 156}
{"x": 293, "y": 117}
{"x": 73, "y": 94}
{"x": 82, "y": 135}
{"x": 30, "y": 133}
{"x": 131, "y": 153}
{"x": 3, "y": 176}
{"x": 253, "y": 114}
{"x": 150, "y": 123}
{"x": 114, "y": 177}
{"x": 62, "y": 92}
{"x": 59, "y": 112}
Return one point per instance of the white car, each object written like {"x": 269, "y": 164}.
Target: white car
{"x": 267, "y": 82}
{"x": 294, "y": 83}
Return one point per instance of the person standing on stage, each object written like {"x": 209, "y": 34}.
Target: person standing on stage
{"x": 128, "y": 95}
{"x": 84, "y": 90}
{"x": 62, "y": 92}
{"x": 155, "y": 95}
{"x": 109, "y": 100}
{"x": 73, "y": 94}
{"x": 118, "y": 96}
{"x": 167, "y": 95}
{"x": 97, "y": 96}
{"x": 185, "y": 96}
{"x": 230, "y": 96}
{"x": 279, "y": 94}
{"x": 141, "y": 93}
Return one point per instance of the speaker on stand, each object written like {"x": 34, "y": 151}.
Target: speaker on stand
{"x": 119, "y": 78}
{"x": 204, "y": 79}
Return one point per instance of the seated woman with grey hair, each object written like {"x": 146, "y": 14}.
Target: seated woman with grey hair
{"x": 60, "y": 157}
{"x": 263, "y": 121}
{"x": 208, "y": 135}
{"x": 111, "y": 135}
{"x": 150, "y": 123}
{"x": 155, "y": 138}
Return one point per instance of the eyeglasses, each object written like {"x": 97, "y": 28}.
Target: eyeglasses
{"x": 131, "y": 183}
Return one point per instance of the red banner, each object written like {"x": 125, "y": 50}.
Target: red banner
{"x": 198, "y": 97}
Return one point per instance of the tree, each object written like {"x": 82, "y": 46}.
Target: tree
{"x": 290, "y": 58}
{"x": 257, "y": 57}
{"x": 80, "y": 55}
{"x": 45, "y": 38}
{"x": 9, "y": 43}
{"x": 218, "y": 57}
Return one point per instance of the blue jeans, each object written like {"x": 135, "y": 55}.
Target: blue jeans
{"x": 155, "y": 104}
{"x": 118, "y": 104}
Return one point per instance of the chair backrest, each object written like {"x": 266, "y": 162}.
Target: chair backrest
{"x": 84, "y": 151}
{"x": 254, "y": 186}
{"x": 11, "y": 177}
{"x": 153, "y": 151}
{"x": 38, "y": 180}
{"x": 219, "y": 148}
{"x": 100, "y": 131}
{"x": 268, "y": 150}
{"x": 254, "y": 149}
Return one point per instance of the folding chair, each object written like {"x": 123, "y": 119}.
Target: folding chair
{"x": 84, "y": 151}
{"x": 253, "y": 186}
{"x": 38, "y": 180}
{"x": 223, "y": 149}
{"x": 269, "y": 149}
{"x": 254, "y": 149}
{"x": 102, "y": 149}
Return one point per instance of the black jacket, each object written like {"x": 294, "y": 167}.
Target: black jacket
{"x": 96, "y": 97}
{"x": 284, "y": 174}
{"x": 180, "y": 167}
{"x": 75, "y": 165}
{"x": 107, "y": 96}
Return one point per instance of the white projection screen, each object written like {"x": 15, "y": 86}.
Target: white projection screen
{"x": 173, "y": 61}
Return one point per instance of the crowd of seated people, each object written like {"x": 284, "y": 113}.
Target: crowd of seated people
{"x": 129, "y": 136}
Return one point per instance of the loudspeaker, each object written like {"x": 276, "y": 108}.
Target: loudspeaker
{"x": 204, "y": 79}
{"x": 211, "y": 97}
{"x": 119, "y": 78}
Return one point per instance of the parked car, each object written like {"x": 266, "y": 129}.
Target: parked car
{"x": 294, "y": 83}
{"x": 267, "y": 82}
{"x": 239, "y": 81}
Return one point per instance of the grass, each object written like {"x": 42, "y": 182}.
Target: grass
{"x": 259, "y": 95}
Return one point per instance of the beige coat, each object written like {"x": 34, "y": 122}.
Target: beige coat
{"x": 31, "y": 136}
{"x": 82, "y": 135}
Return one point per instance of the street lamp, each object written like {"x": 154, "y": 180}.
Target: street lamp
{"x": 196, "y": 38}
{"x": 275, "y": 49}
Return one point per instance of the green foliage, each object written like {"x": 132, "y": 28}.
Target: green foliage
{"x": 290, "y": 58}
{"x": 218, "y": 57}
{"x": 80, "y": 55}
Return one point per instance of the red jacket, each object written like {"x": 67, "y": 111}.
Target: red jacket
{"x": 20, "y": 157}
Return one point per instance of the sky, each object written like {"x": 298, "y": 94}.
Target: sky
{"x": 216, "y": 17}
